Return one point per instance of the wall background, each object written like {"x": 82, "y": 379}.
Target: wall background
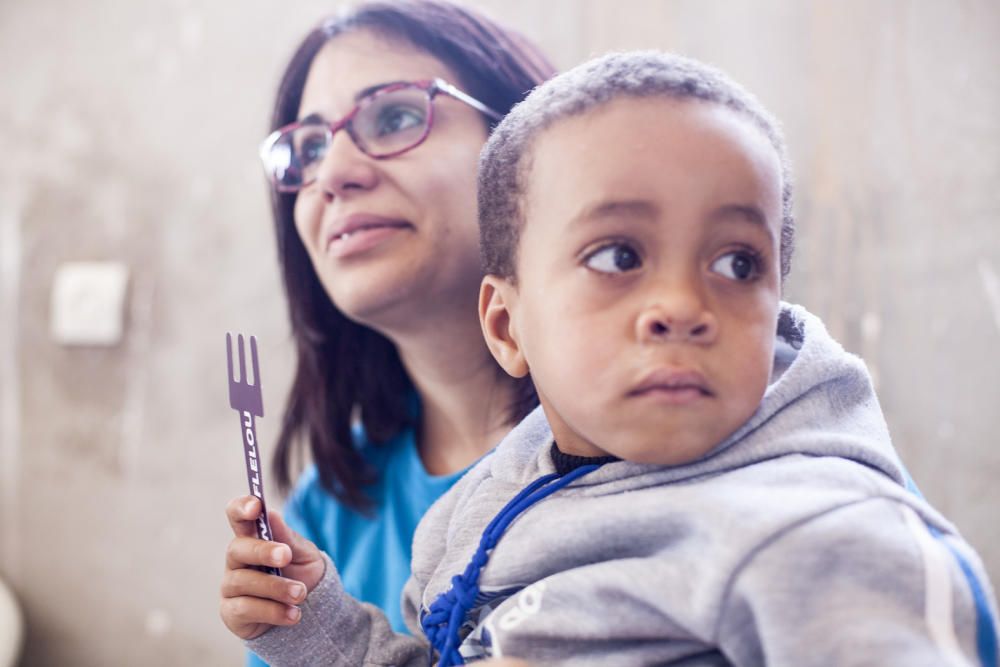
{"x": 128, "y": 132}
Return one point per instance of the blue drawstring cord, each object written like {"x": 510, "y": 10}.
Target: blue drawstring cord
{"x": 443, "y": 619}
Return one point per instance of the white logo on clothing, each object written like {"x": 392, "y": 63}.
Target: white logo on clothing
{"x": 529, "y": 602}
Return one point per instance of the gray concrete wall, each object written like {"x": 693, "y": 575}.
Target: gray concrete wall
{"x": 128, "y": 133}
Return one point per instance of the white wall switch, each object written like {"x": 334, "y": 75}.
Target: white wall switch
{"x": 88, "y": 303}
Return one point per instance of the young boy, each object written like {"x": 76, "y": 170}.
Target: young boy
{"x": 696, "y": 489}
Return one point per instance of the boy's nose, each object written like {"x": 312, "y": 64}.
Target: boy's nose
{"x": 680, "y": 322}
{"x": 345, "y": 168}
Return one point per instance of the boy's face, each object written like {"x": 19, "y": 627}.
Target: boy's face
{"x": 648, "y": 279}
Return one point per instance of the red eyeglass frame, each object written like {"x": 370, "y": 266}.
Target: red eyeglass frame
{"x": 429, "y": 86}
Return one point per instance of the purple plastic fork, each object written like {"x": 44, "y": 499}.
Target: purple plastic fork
{"x": 247, "y": 400}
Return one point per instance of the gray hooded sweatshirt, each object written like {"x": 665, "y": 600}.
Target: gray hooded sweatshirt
{"x": 798, "y": 541}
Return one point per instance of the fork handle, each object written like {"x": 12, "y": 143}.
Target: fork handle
{"x": 255, "y": 480}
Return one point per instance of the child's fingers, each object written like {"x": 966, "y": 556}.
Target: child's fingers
{"x": 248, "y": 617}
{"x": 246, "y": 551}
{"x": 253, "y": 583}
{"x": 242, "y": 512}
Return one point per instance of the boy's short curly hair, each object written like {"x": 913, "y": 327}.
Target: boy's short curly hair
{"x": 504, "y": 163}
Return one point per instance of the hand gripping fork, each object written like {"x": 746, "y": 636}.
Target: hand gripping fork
{"x": 247, "y": 400}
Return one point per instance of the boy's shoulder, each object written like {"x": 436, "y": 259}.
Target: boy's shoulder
{"x": 523, "y": 454}
{"x": 516, "y": 458}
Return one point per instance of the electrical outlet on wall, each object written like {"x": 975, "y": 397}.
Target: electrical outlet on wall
{"x": 88, "y": 303}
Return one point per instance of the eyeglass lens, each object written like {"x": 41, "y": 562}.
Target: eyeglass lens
{"x": 384, "y": 124}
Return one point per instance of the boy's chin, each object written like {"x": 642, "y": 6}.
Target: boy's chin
{"x": 665, "y": 447}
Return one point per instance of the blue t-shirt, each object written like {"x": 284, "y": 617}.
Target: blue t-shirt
{"x": 371, "y": 551}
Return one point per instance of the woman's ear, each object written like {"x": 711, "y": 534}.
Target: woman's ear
{"x": 497, "y": 305}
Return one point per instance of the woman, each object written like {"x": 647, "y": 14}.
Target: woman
{"x": 379, "y": 120}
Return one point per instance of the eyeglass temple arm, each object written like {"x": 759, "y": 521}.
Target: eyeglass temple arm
{"x": 446, "y": 87}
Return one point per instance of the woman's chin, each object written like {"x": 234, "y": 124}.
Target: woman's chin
{"x": 378, "y": 306}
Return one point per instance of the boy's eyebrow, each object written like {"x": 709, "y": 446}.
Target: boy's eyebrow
{"x": 629, "y": 208}
{"x": 645, "y": 210}
{"x": 747, "y": 212}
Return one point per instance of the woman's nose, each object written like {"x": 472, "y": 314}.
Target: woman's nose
{"x": 345, "y": 168}
{"x": 680, "y": 318}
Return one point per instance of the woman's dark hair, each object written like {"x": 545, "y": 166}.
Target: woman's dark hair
{"x": 345, "y": 369}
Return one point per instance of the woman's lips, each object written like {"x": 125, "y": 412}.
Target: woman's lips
{"x": 361, "y": 240}
{"x": 361, "y": 232}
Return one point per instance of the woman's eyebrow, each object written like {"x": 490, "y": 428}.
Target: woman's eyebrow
{"x": 365, "y": 92}
{"x": 358, "y": 96}
{"x": 313, "y": 118}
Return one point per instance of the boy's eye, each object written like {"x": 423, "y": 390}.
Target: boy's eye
{"x": 739, "y": 265}
{"x": 613, "y": 258}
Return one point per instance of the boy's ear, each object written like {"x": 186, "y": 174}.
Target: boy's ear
{"x": 497, "y": 299}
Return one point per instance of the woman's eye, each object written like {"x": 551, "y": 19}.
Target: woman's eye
{"x": 394, "y": 119}
{"x": 310, "y": 144}
{"x": 313, "y": 149}
{"x": 740, "y": 265}
{"x": 613, "y": 258}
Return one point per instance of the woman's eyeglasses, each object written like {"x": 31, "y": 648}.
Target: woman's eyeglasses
{"x": 389, "y": 121}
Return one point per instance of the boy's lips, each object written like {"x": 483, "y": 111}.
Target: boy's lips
{"x": 673, "y": 385}
{"x": 360, "y": 231}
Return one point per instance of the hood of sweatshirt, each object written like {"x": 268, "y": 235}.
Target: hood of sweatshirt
{"x": 819, "y": 402}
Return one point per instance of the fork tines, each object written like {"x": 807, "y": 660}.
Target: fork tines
{"x": 244, "y": 395}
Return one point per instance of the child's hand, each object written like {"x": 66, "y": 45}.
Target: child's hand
{"x": 252, "y": 601}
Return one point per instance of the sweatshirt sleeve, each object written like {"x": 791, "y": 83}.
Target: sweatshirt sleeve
{"x": 865, "y": 584}
{"x": 336, "y": 629}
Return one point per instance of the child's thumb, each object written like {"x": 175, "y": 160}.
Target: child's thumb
{"x": 307, "y": 563}
{"x": 282, "y": 533}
